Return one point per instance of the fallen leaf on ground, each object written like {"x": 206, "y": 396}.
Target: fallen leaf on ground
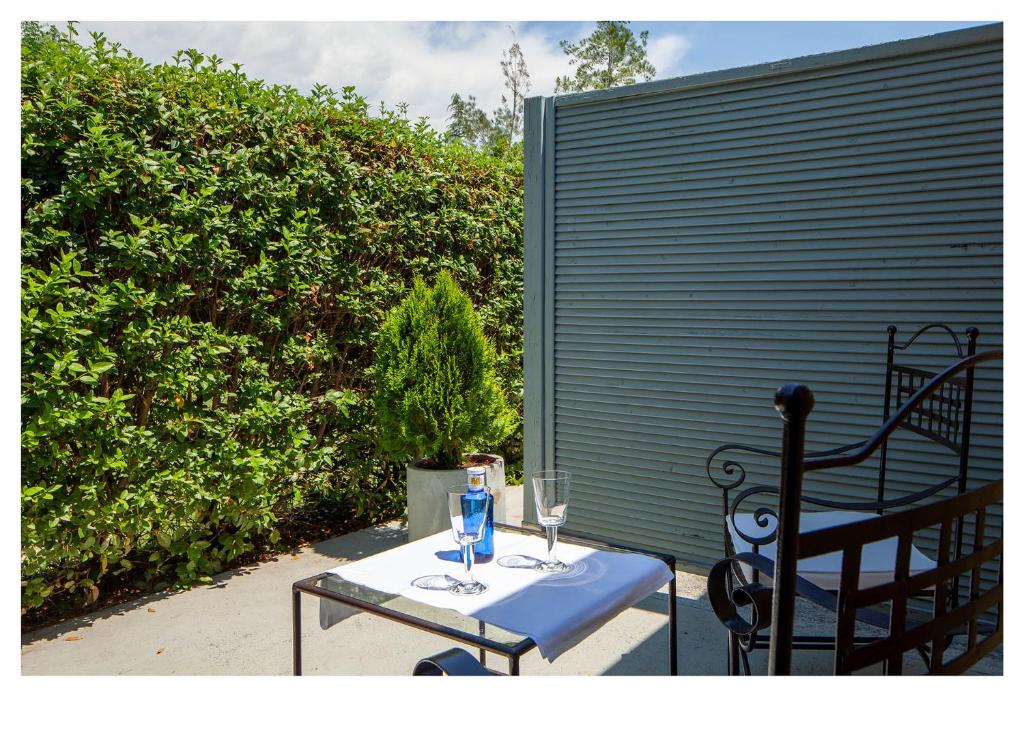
{"x": 150, "y": 609}
{"x": 73, "y": 638}
{"x": 295, "y": 556}
{"x": 159, "y": 651}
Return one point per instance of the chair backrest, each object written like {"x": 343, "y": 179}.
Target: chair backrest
{"x": 945, "y": 420}
{"x": 946, "y": 417}
{"x": 794, "y": 403}
{"x": 912, "y": 631}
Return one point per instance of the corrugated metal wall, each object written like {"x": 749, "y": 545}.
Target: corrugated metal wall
{"x": 692, "y": 244}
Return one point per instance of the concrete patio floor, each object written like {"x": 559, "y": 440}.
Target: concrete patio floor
{"x": 241, "y": 625}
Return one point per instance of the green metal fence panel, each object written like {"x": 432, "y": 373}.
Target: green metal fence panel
{"x": 694, "y": 243}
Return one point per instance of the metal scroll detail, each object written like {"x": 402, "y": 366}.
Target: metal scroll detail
{"x": 726, "y": 600}
{"x": 732, "y": 468}
{"x": 736, "y": 475}
{"x": 764, "y": 517}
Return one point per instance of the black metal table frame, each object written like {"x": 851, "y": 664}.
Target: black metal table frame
{"x": 511, "y": 652}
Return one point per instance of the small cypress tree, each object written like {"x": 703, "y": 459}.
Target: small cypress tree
{"x": 437, "y": 393}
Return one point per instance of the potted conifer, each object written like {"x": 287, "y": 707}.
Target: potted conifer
{"x": 437, "y": 398}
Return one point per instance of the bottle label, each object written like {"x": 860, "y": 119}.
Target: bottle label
{"x": 476, "y": 477}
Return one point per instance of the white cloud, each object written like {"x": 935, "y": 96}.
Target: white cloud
{"x": 420, "y": 64}
{"x": 667, "y": 53}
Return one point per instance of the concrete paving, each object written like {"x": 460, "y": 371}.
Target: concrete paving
{"x": 241, "y": 625}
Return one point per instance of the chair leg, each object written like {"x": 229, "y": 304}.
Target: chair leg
{"x": 926, "y": 655}
{"x": 746, "y": 662}
{"x": 732, "y": 654}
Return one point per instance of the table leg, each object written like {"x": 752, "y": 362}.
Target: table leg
{"x": 673, "y": 666}
{"x": 513, "y": 666}
{"x": 296, "y": 632}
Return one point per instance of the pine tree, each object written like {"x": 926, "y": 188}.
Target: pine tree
{"x": 437, "y": 392}
{"x": 611, "y": 56}
{"x": 509, "y": 117}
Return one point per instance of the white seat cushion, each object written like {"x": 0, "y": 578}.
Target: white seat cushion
{"x": 877, "y": 561}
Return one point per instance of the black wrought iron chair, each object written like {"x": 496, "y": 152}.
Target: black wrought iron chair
{"x": 900, "y": 629}
{"x": 945, "y": 420}
{"x": 453, "y": 662}
{"x": 734, "y": 584}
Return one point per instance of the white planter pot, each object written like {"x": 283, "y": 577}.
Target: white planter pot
{"x": 428, "y": 508}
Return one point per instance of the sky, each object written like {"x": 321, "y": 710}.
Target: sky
{"x": 422, "y": 64}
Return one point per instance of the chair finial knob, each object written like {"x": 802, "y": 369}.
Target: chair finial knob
{"x": 794, "y": 400}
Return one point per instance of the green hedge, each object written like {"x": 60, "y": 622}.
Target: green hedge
{"x": 205, "y": 261}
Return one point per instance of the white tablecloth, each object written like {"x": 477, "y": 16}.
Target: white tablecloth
{"x": 556, "y": 610}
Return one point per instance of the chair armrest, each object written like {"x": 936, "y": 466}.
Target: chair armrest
{"x": 776, "y": 454}
{"x": 759, "y": 597}
{"x": 734, "y": 468}
{"x": 730, "y": 467}
{"x": 453, "y": 662}
{"x": 836, "y": 450}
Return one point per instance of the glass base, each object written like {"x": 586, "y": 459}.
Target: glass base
{"x": 516, "y": 561}
{"x": 468, "y": 588}
{"x": 435, "y": 581}
{"x": 552, "y": 567}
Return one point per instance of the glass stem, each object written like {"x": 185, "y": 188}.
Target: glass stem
{"x": 467, "y": 560}
{"x": 552, "y": 531}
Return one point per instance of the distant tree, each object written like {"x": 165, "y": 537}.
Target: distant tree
{"x": 468, "y": 123}
{"x": 34, "y": 32}
{"x": 611, "y": 56}
{"x": 499, "y": 134}
{"x": 508, "y": 119}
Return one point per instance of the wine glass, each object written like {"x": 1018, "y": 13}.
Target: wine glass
{"x": 468, "y": 513}
{"x": 551, "y": 495}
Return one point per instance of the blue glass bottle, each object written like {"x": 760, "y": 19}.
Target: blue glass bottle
{"x": 476, "y": 487}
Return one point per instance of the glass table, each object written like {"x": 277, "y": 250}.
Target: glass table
{"x": 450, "y": 624}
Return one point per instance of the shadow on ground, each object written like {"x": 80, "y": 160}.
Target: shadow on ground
{"x": 51, "y": 632}
{"x": 702, "y": 644}
{"x": 347, "y": 547}
{"x": 359, "y": 545}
